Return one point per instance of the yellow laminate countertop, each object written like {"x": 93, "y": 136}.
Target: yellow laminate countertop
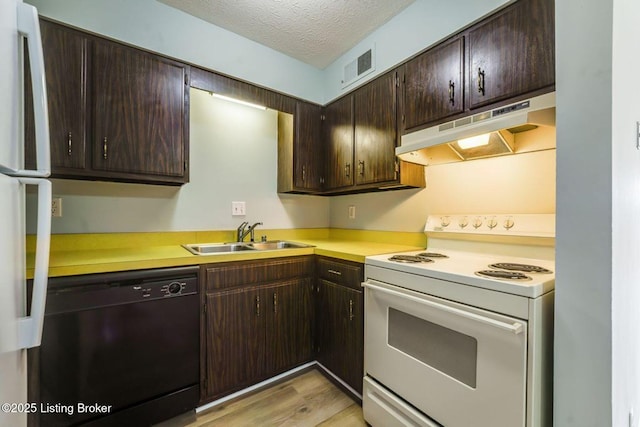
{"x": 69, "y": 261}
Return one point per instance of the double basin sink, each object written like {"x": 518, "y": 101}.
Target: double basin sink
{"x": 227, "y": 248}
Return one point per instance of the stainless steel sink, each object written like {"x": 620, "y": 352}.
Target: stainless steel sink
{"x": 217, "y": 248}
{"x": 226, "y": 248}
{"x": 277, "y": 244}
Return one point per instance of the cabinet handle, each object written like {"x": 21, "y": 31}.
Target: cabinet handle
{"x": 361, "y": 167}
{"x": 275, "y": 302}
{"x": 69, "y": 144}
{"x": 351, "y": 310}
{"x": 304, "y": 172}
{"x": 452, "y": 92}
{"x": 258, "y": 306}
{"x": 347, "y": 170}
{"x": 104, "y": 148}
{"x": 480, "y": 81}
{"x": 336, "y": 272}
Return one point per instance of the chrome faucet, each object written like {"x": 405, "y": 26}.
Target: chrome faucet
{"x": 242, "y": 233}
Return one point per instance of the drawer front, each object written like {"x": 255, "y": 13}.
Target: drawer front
{"x": 243, "y": 273}
{"x": 341, "y": 272}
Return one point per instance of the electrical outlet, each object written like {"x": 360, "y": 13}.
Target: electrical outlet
{"x": 238, "y": 209}
{"x": 56, "y": 207}
{"x": 352, "y": 212}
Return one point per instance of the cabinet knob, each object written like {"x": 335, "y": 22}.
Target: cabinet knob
{"x": 258, "y": 306}
{"x": 69, "y": 144}
{"x": 304, "y": 173}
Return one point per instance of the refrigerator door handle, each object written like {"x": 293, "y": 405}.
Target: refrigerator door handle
{"x": 29, "y": 27}
{"x": 30, "y": 327}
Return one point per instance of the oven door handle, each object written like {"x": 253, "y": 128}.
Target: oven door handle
{"x": 515, "y": 328}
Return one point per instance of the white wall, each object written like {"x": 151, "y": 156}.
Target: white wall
{"x": 160, "y": 28}
{"x": 583, "y": 312}
{"x": 523, "y": 183}
{"x": 233, "y": 158}
{"x": 421, "y": 24}
{"x": 625, "y": 298}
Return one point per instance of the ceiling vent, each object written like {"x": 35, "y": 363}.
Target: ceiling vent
{"x": 359, "y": 67}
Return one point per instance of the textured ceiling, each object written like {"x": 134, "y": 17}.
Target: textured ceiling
{"x": 314, "y": 31}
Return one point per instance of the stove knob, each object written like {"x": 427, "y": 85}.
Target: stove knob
{"x": 492, "y": 223}
{"x": 508, "y": 223}
{"x": 445, "y": 221}
{"x": 464, "y": 221}
{"x": 477, "y": 222}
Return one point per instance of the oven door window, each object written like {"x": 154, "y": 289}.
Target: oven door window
{"x": 449, "y": 351}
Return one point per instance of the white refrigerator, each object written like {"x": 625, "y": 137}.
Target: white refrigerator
{"x": 19, "y": 329}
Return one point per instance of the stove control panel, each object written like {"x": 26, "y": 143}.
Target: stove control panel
{"x": 525, "y": 225}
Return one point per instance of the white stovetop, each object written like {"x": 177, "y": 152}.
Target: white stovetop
{"x": 461, "y": 266}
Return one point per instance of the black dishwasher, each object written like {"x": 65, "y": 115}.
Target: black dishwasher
{"x": 118, "y": 349}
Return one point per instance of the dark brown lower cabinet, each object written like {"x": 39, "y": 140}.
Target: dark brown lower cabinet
{"x": 264, "y": 317}
{"x": 340, "y": 320}
{"x": 257, "y": 322}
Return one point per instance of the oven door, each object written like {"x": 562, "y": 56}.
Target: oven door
{"x": 460, "y": 365}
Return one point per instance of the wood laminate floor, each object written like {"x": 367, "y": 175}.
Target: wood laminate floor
{"x": 309, "y": 399}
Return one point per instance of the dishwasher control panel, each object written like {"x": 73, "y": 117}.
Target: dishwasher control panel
{"x": 109, "y": 289}
{"x": 167, "y": 288}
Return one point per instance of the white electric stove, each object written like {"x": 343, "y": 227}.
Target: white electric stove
{"x": 461, "y": 333}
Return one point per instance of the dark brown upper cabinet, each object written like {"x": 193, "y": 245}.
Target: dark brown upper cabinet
{"x": 115, "y": 113}
{"x": 65, "y": 59}
{"x": 376, "y": 131}
{"x": 512, "y": 52}
{"x": 139, "y": 104}
{"x": 433, "y": 88}
{"x": 338, "y": 137}
{"x": 299, "y": 150}
{"x": 361, "y": 133}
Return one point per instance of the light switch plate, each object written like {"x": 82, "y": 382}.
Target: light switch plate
{"x": 238, "y": 209}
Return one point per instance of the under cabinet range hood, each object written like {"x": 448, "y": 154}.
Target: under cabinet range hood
{"x": 521, "y": 127}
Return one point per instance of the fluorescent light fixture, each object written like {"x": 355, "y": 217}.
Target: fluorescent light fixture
{"x": 238, "y": 101}
{"x": 474, "y": 141}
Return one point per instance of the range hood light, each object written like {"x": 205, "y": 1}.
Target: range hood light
{"x": 238, "y": 101}
{"x": 474, "y": 141}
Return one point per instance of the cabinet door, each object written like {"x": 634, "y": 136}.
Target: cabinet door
{"x": 433, "y": 85}
{"x": 512, "y": 53}
{"x": 307, "y": 156}
{"x": 139, "y": 116}
{"x": 338, "y": 135}
{"x": 340, "y": 332}
{"x": 288, "y": 325}
{"x": 375, "y": 130}
{"x": 235, "y": 340}
{"x": 65, "y": 59}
